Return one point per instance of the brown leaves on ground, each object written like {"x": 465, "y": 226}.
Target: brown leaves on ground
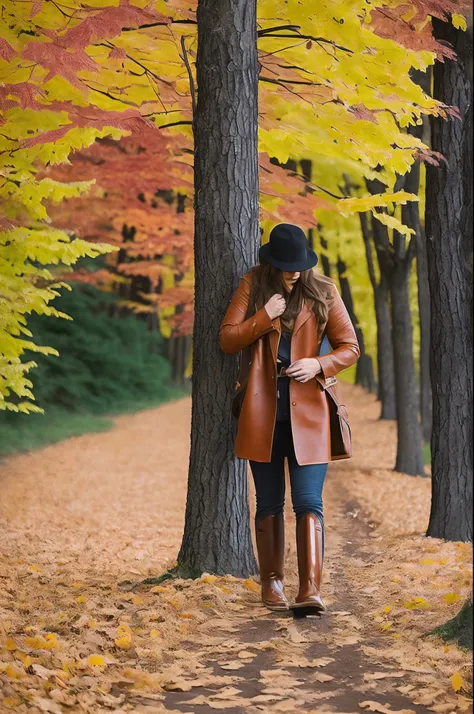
{"x": 87, "y": 520}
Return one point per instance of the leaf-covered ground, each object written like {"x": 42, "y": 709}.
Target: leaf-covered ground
{"x": 85, "y": 521}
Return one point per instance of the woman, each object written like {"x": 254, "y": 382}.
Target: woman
{"x": 281, "y": 308}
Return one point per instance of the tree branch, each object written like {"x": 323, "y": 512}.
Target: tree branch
{"x": 158, "y": 24}
{"x": 190, "y": 75}
{"x": 318, "y": 40}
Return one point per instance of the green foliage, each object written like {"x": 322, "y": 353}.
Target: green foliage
{"x": 108, "y": 364}
{"x": 458, "y": 629}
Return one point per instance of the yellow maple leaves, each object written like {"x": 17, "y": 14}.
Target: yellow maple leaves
{"x": 124, "y": 637}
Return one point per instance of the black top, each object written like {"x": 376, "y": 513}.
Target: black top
{"x": 283, "y": 383}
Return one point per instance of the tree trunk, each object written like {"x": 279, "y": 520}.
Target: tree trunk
{"x": 385, "y": 366}
{"x": 364, "y": 369}
{"x": 409, "y": 453}
{"x": 411, "y": 217}
{"x": 395, "y": 260}
{"x": 217, "y": 535}
{"x": 386, "y": 374}
{"x": 449, "y": 217}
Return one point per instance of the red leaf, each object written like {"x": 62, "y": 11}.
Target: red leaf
{"x": 118, "y": 53}
{"x": 35, "y": 8}
{"x": 361, "y": 112}
{"x": 6, "y": 50}
{"x": 59, "y": 62}
{"x": 47, "y": 137}
{"x": 109, "y": 23}
{"x": 23, "y": 94}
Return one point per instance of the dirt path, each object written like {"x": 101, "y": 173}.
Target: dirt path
{"x": 83, "y": 522}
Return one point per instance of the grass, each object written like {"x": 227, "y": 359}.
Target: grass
{"x": 26, "y": 432}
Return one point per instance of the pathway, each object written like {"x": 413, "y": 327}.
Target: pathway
{"x": 86, "y": 520}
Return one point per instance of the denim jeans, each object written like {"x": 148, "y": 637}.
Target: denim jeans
{"x": 306, "y": 481}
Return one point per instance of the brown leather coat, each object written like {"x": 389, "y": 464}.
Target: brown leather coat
{"x": 308, "y": 403}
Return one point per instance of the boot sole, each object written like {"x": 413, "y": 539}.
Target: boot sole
{"x": 276, "y": 608}
{"x": 302, "y": 609}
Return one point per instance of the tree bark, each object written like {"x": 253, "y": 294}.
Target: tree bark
{"x": 409, "y": 452}
{"x": 412, "y": 218}
{"x": 364, "y": 369}
{"x": 449, "y": 218}
{"x": 217, "y": 535}
{"x": 395, "y": 261}
{"x": 385, "y": 368}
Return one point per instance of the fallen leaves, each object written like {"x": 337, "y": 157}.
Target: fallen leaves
{"x": 377, "y": 707}
{"x": 72, "y": 639}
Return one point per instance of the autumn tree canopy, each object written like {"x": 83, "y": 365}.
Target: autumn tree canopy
{"x": 334, "y": 84}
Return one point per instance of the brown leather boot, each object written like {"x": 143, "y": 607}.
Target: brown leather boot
{"x": 309, "y": 545}
{"x": 270, "y": 537}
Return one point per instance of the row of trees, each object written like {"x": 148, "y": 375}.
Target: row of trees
{"x": 325, "y": 87}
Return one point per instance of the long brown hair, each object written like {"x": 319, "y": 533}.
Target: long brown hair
{"x": 312, "y": 288}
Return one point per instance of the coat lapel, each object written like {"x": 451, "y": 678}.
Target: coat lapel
{"x": 303, "y": 315}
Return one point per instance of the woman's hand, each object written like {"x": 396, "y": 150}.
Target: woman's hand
{"x": 304, "y": 369}
{"x": 276, "y": 306}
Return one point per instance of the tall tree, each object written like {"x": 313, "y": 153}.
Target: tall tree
{"x": 364, "y": 368}
{"x": 449, "y": 219}
{"x": 217, "y": 534}
{"x": 395, "y": 261}
{"x": 412, "y": 218}
{"x": 370, "y": 228}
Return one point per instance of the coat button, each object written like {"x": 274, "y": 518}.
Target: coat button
{"x": 294, "y": 403}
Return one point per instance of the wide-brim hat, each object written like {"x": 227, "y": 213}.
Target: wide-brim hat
{"x": 288, "y": 249}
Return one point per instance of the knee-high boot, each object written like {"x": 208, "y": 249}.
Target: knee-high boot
{"x": 309, "y": 545}
{"x": 270, "y": 537}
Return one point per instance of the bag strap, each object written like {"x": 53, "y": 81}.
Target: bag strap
{"x": 325, "y": 348}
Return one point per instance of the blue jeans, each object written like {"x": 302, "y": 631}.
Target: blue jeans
{"x": 306, "y": 481}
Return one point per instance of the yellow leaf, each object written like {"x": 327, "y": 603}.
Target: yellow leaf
{"x": 42, "y": 643}
{"x": 158, "y": 589}
{"x": 451, "y": 597}
{"x": 81, "y": 598}
{"x": 154, "y": 634}
{"x": 208, "y": 579}
{"x": 10, "y": 645}
{"x": 124, "y": 637}
{"x": 96, "y": 661}
{"x": 186, "y": 615}
{"x": 252, "y": 585}
{"x": 10, "y": 702}
{"x": 386, "y": 625}
{"x": 14, "y": 672}
{"x": 427, "y": 561}
{"x": 35, "y": 568}
{"x": 459, "y": 21}
{"x": 27, "y": 660}
{"x": 137, "y": 600}
{"x": 416, "y": 603}
{"x": 388, "y": 608}
{"x": 456, "y": 681}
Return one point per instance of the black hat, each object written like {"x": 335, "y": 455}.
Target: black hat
{"x": 288, "y": 249}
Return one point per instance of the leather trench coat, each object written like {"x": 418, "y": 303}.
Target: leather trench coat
{"x": 308, "y": 403}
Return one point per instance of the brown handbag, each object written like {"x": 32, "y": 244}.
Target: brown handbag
{"x": 340, "y": 430}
